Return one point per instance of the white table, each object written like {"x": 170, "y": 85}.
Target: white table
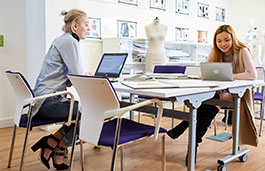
{"x": 193, "y": 98}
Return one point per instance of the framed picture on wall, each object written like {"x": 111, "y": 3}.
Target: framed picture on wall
{"x": 182, "y": 34}
{"x": 127, "y": 29}
{"x": 203, "y": 10}
{"x": 202, "y": 36}
{"x": 220, "y": 14}
{"x": 130, "y": 2}
{"x": 182, "y": 6}
{"x": 158, "y": 4}
{"x": 94, "y": 25}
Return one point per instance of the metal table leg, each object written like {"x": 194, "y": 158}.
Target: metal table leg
{"x": 236, "y": 153}
{"x": 132, "y": 101}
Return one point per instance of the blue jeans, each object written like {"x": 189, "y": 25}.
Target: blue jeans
{"x": 58, "y": 108}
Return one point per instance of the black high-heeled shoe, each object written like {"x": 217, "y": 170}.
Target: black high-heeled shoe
{"x": 42, "y": 144}
{"x": 61, "y": 166}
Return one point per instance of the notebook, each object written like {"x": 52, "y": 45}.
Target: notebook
{"x": 217, "y": 71}
{"x": 111, "y": 65}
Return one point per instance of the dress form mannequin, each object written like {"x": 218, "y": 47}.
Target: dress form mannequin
{"x": 155, "y": 54}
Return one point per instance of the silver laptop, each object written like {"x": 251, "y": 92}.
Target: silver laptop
{"x": 217, "y": 71}
{"x": 111, "y": 65}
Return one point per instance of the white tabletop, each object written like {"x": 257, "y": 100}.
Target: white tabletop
{"x": 176, "y": 92}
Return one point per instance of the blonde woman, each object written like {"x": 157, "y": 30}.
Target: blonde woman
{"x": 62, "y": 58}
{"x": 227, "y": 48}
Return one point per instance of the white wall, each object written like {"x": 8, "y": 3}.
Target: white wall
{"x": 240, "y": 13}
{"x": 110, "y": 11}
{"x": 35, "y": 26}
{"x": 13, "y": 54}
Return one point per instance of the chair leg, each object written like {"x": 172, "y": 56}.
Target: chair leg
{"x": 82, "y": 155}
{"x": 12, "y": 146}
{"x": 74, "y": 142}
{"x": 215, "y": 126}
{"x": 121, "y": 152}
{"x": 163, "y": 151}
{"x": 116, "y": 141}
{"x": 26, "y": 138}
{"x": 261, "y": 116}
{"x": 173, "y": 108}
{"x": 226, "y": 119}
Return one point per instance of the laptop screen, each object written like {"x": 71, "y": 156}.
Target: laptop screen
{"x": 111, "y": 64}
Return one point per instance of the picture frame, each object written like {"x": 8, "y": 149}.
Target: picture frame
{"x": 127, "y": 29}
{"x": 130, "y": 2}
{"x": 182, "y": 6}
{"x": 203, "y": 10}
{"x": 158, "y": 4}
{"x": 220, "y": 14}
{"x": 94, "y": 28}
{"x": 202, "y": 36}
{"x": 182, "y": 34}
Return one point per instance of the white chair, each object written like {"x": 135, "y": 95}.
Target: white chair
{"x": 259, "y": 97}
{"x": 99, "y": 102}
{"x": 25, "y": 98}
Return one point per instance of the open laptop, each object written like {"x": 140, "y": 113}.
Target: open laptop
{"x": 111, "y": 65}
{"x": 217, "y": 71}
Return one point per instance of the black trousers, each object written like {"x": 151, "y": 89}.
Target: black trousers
{"x": 58, "y": 108}
{"x": 205, "y": 115}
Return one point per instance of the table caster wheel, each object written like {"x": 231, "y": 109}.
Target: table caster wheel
{"x": 221, "y": 168}
{"x": 243, "y": 158}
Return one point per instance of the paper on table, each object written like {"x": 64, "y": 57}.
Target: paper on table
{"x": 191, "y": 83}
{"x": 147, "y": 84}
{"x": 167, "y": 75}
{"x": 170, "y": 84}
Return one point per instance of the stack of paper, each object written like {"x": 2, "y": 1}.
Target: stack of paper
{"x": 169, "y": 84}
{"x": 147, "y": 84}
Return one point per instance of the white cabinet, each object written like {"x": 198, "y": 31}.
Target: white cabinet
{"x": 178, "y": 53}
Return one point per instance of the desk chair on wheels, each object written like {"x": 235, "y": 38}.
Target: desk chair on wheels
{"x": 25, "y": 99}
{"x": 167, "y": 69}
{"x": 99, "y": 102}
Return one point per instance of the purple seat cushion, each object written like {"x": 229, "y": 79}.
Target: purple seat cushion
{"x": 169, "y": 69}
{"x": 166, "y": 69}
{"x": 130, "y": 131}
{"x": 34, "y": 122}
{"x": 258, "y": 96}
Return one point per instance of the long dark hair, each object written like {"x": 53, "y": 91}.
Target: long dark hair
{"x": 237, "y": 45}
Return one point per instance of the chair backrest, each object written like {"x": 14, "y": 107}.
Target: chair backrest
{"x": 260, "y": 73}
{"x": 169, "y": 69}
{"x": 22, "y": 91}
{"x": 193, "y": 70}
{"x": 96, "y": 96}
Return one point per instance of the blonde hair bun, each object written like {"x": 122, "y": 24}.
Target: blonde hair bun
{"x": 71, "y": 16}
